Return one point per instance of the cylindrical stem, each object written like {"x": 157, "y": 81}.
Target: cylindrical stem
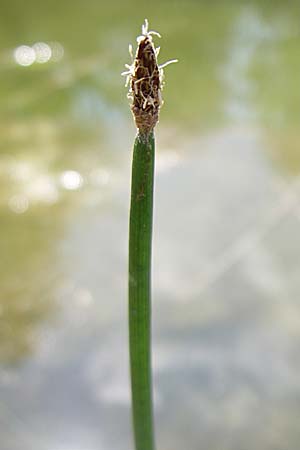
{"x": 140, "y": 242}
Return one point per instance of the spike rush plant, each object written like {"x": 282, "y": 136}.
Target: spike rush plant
{"x": 145, "y": 79}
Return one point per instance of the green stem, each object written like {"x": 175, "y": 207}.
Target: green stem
{"x": 140, "y": 239}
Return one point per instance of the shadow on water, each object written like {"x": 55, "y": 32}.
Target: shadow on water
{"x": 226, "y": 251}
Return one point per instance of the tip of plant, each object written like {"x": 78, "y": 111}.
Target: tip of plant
{"x": 145, "y": 79}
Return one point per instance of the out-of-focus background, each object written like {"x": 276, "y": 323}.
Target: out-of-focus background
{"x": 226, "y": 268}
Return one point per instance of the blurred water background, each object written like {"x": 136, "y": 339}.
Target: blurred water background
{"x": 226, "y": 272}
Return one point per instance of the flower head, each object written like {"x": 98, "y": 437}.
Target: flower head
{"x": 145, "y": 78}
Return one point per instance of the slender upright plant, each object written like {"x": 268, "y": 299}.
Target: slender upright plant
{"x": 144, "y": 76}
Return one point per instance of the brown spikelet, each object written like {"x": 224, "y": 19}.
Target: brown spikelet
{"x": 145, "y": 86}
{"x": 145, "y": 77}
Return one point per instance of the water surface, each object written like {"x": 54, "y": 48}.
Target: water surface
{"x": 226, "y": 248}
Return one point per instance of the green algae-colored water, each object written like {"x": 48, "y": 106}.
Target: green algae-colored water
{"x": 226, "y": 238}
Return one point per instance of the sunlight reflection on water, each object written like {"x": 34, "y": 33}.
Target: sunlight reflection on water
{"x": 71, "y": 180}
{"x": 18, "y": 204}
{"x": 24, "y": 55}
{"x": 40, "y": 52}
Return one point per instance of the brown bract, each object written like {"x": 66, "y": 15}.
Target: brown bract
{"x": 145, "y": 86}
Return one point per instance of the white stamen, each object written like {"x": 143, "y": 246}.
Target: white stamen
{"x": 142, "y": 79}
{"x": 140, "y": 38}
{"x": 145, "y": 28}
{"x": 160, "y": 97}
{"x": 167, "y": 63}
{"x": 130, "y": 52}
{"x": 154, "y": 33}
{"x": 127, "y": 80}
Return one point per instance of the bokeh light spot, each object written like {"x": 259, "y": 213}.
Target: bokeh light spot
{"x": 99, "y": 176}
{"x": 57, "y": 51}
{"x": 42, "y": 52}
{"x": 24, "y": 55}
{"x": 18, "y": 204}
{"x": 71, "y": 180}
